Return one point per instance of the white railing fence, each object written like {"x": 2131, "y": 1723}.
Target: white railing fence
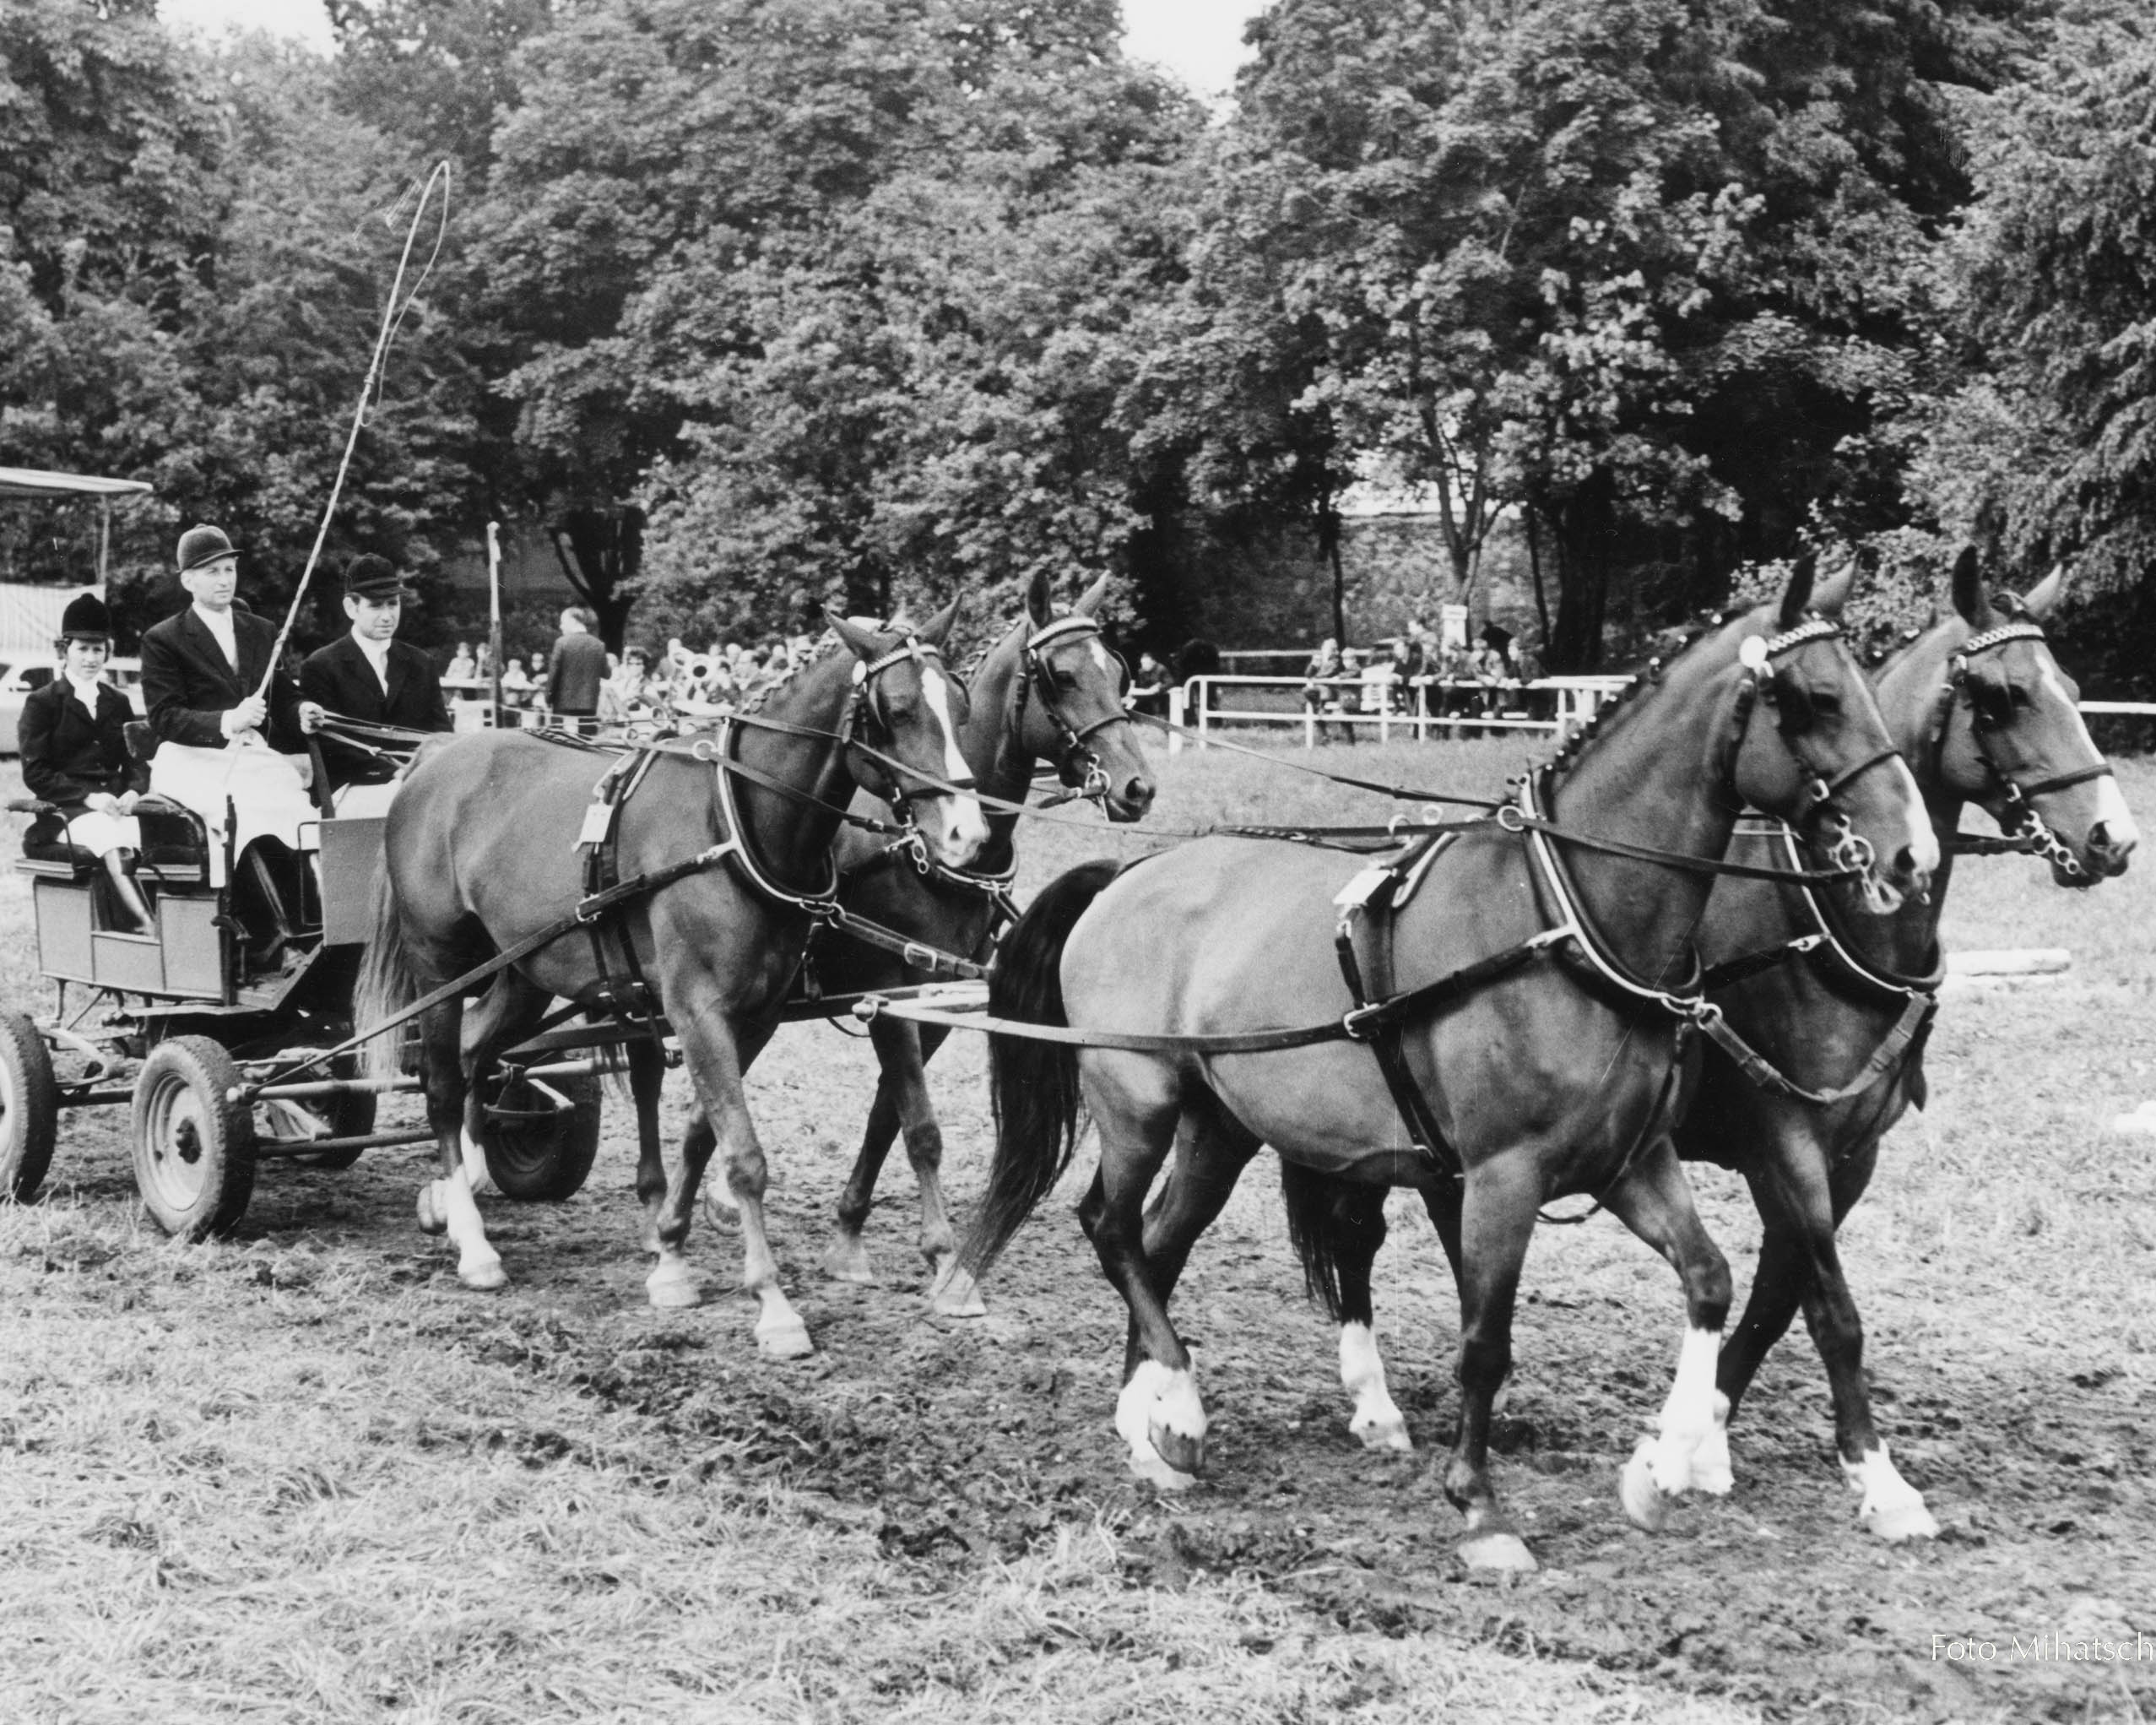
{"x": 1452, "y": 709}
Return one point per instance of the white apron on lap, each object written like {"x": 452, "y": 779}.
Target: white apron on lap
{"x": 263, "y": 787}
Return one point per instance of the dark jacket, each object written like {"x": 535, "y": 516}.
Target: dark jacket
{"x": 188, "y": 684}
{"x": 574, "y": 674}
{"x": 340, "y": 679}
{"x": 67, "y": 755}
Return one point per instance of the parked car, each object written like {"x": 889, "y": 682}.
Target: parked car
{"x": 22, "y": 672}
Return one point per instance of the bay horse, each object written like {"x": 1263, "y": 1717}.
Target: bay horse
{"x": 1552, "y": 1076}
{"x": 1047, "y": 690}
{"x": 1981, "y": 710}
{"x": 482, "y": 851}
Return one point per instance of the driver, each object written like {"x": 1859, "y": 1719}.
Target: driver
{"x": 367, "y": 674}
{"x": 220, "y": 743}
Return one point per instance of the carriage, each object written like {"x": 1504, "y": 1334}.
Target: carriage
{"x": 178, "y": 1024}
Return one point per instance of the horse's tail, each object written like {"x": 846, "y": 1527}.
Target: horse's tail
{"x": 1033, "y": 1085}
{"x": 1311, "y": 1197}
{"x": 387, "y": 984}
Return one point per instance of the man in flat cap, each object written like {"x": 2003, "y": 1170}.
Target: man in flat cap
{"x": 368, "y": 675}
{"x": 220, "y": 742}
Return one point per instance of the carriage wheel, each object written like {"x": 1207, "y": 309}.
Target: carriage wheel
{"x": 29, "y": 1107}
{"x": 348, "y": 1116}
{"x": 194, "y": 1145}
{"x": 537, "y": 1153}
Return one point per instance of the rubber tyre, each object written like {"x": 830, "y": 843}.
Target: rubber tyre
{"x": 545, "y": 1162}
{"x": 29, "y": 1108}
{"x": 194, "y": 1147}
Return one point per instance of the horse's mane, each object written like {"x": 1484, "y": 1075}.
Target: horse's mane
{"x": 1613, "y": 713}
{"x": 825, "y": 646}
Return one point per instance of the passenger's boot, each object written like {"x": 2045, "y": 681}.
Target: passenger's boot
{"x": 126, "y": 891}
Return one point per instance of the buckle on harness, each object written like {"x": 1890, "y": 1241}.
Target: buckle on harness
{"x": 1354, "y": 1021}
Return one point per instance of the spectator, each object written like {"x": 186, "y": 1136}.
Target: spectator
{"x": 1406, "y": 665}
{"x": 463, "y": 667}
{"x": 482, "y": 661}
{"x": 1378, "y": 678}
{"x": 576, "y": 670}
{"x": 1324, "y": 669}
{"x": 1148, "y": 691}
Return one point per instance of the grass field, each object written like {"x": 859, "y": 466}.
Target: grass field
{"x": 303, "y": 1475}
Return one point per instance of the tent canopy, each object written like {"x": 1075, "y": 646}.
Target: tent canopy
{"x": 30, "y": 482}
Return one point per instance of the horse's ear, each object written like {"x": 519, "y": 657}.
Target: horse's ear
{"x": 863, "y": 641}
{"x": 1089, "y": 601}
{"x": 1830, "y": 595}
{"x": 1040, "y": 601}
{"x": 1798, "y": 595}
{"x": 2038, "y": 600}
{"x": 1968, "y": 588}
{"x": 938, "y": 630}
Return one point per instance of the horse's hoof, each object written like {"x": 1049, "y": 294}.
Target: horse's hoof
{"x": 846, "y": 1260}
{"x": 957, "y": 1295}
{"x": 1645, "y": 1504}
{"x": 1146, "y": 1463}
{"x": 1387, "y": 1433}
{"x": 483, "y": 1275}
{"x": 1500, "y": 1551}
{"x": 431, "y": 1219}
{"x": 1183, "y": 1454}
{"x": 784, "y": 1341}
{"x": 673, "y": 1292}
{"x": 1895, "y": 1522}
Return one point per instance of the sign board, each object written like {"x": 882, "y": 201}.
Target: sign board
{"x": 1452, "y": 625}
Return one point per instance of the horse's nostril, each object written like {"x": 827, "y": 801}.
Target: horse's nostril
{"x": 1139, "y": 791}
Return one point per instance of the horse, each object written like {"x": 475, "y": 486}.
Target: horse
{"x": 482, "y": 851}
{"x": 1047, "y": 690}
{"x": 1978, "y": 706}
{"x": 1550, "y": 1060}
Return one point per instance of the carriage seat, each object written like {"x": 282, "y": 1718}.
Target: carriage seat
{"x": 175, "y": 847}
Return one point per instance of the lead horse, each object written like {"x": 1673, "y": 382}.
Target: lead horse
{"x": 1550, "y": 1061}
{"x": 482, "y": 851}
{"x": 1048, "y": 689}
{"x": 1821, "y": 989}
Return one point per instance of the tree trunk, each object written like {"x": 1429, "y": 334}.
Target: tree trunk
{"x": 1329, "y": 549}
{"x": 1585, "y": 528}
{"x": 605, "y": 550}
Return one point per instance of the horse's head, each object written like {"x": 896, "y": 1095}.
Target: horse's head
{"x": 907, "y": 708}
{"x": 1069, "y": 703}
{"x": 1812, "y": 749}
{"x": 2005, "y": 732}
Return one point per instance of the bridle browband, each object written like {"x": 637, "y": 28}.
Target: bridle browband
{"x": 2019, "y": 814}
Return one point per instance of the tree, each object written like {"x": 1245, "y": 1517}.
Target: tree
{"x": 839, "y": 292}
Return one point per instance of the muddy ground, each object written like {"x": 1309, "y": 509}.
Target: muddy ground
{"x": 2001, "y": 1264}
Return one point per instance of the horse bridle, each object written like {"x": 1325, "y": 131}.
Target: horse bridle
{"x": 2017, "y": 811}
{"x": 1851, "y": 849}
{"x": 1076, "y": 765}
{"x": 863, "y": 713}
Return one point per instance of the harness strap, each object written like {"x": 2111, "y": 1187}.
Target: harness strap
{"x": 1917, "y": 1012}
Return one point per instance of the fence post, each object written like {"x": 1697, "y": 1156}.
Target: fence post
{"x": 1179, "y": 710}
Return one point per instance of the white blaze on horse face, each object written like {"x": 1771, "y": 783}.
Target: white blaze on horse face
{"x": 1923, "y": 842}
{"x": 964, "y": 829}
{"x": 1100, "y": 656}
{"x": 2111, "y": 813}
{"x": 1376, "y": 1419}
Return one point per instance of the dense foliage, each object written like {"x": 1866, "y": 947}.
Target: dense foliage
{"x": 752, "y": 306}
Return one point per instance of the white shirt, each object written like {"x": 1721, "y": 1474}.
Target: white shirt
{"x": 219, "y": 625}
{"x": 85, "y": 690}
{"x": 377, "y": 655}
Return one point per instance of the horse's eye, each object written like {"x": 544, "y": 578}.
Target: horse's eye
{"x": 1826, "y": 706}
{"x": 2020, "y": 698}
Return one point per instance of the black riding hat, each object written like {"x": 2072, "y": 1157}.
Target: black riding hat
{"x": 204, "y": 545}
{"x": 369, "y": 577}
{"x": 86, "y": 619}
